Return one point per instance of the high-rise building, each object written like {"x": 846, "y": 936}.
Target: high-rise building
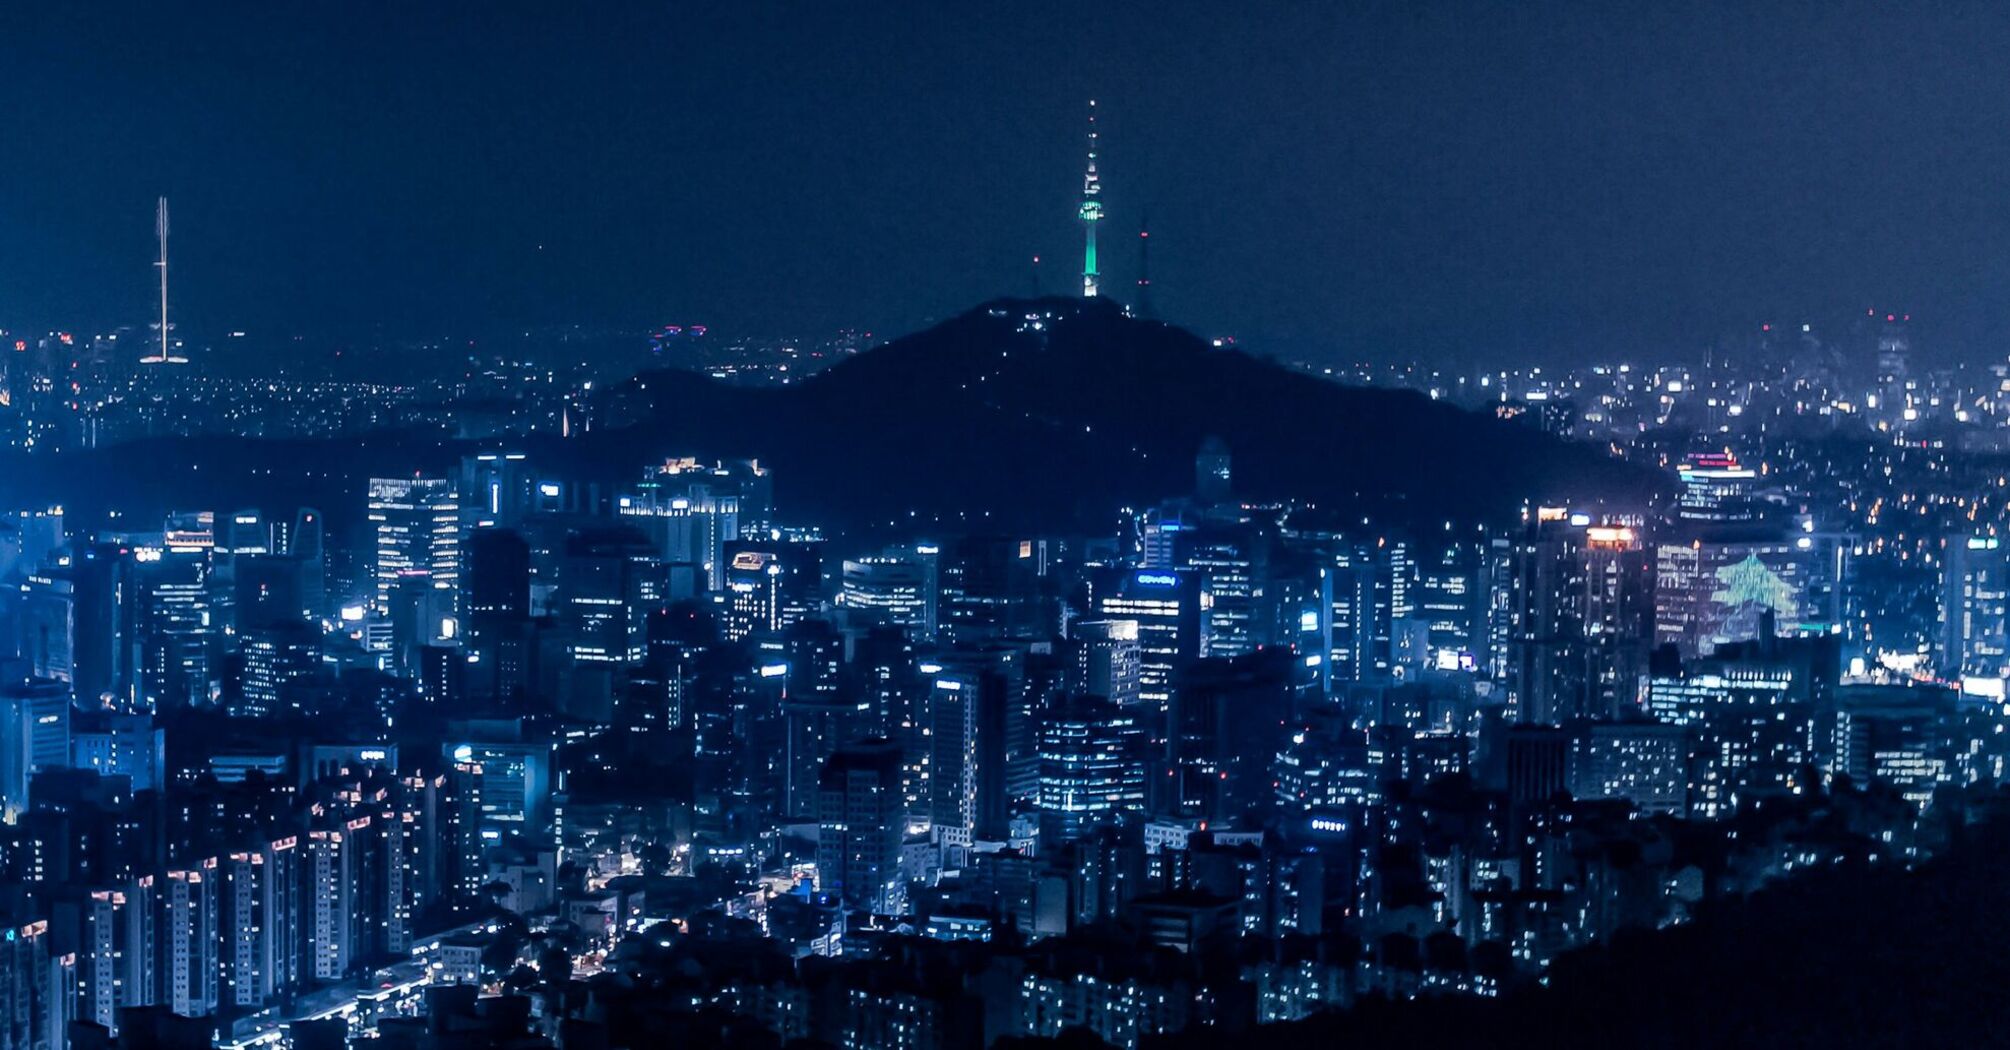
{"x": 1109, "y": 661}
{"x": 34, "y": 736}
{"x": 1353, "y": 613}
{"x": 982, "y": 757}
{"x": 188, "y": 932}
{"x": 116, "y": 744}
{"x": 329, "y": 875}
{"x": 1092, "y": 769}
{"x": 1259, "y": 592}
{"x": 1710, "y": 591}
{"x": 497, "y": 489}
{"x": 992, "y": 590}
{"x": 306, "y": 543}
{"x": 1754, "y": 713}
{"x": 1583, "y": 620}
{"x": 274, "y": 657}
{"x": 1975, "y": 608}
{"x": 1166, "y": 605}
{"x": 610, "y": 581}
{"x": 815, "y": 728}
{"x": 1898, "y": 735}
{"x": 418, "y": 532}
{"x": 769, "y": 586}
{"x": 690, "y": 512}
{"x": 246, "y": 532}
{"x": 116, "y": 953}
{"x": 175, "y": 627}
{"x": 29, "y": 540}
{"x": 896, "y": 587}
{"x": 514, "y": 782}
{"x": 272, "y": 588}
{"x": 258, "y": 902}
{"x": 1227, "y": 721}
{"x": 819, "y": 713}
{"x": 862, "y": 818}
{"x": 1891, "y": 396}
{"x": 498, "y": 577}
{"x": 38, "y": 994}
{"x": 1451, "y": 600}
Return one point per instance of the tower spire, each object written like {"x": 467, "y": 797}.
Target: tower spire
{"x": 1092, "y": 213}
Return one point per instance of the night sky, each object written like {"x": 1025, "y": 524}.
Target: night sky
{"x": 1459, "y": 182}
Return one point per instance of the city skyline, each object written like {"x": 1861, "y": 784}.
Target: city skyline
{"x": 655, "y": 526}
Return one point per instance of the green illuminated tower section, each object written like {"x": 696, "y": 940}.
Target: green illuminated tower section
{"x": 1092, "y": 213}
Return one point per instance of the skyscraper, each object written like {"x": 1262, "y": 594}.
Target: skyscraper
{"x": 770, "y": 585}
{"x": 1975, "y": 608}
{"x": 34, "y": 736}
{"x": 1092, "y": 769}
{"x": 897, "y": 587}
{"x": 188, "y": 931}
{"x": 991, "y": 590}
{"x": 1108, "y": 660}
{"x": 258, "y": 904}
{"x": 861, "y": 819}
{"x": 275, "y": 655}
{"x": 816, "y": 725}
{"x": 417, "y": 522}
{"x": 609, "y": 582}
{"x": 175, "y": 626}
{"x": 1584, "y": 616}
{"x": 498, "y": 578}
{"x": 690, "y": 512}
{"x": 1166, "y": 605}
{"x": 982, "y": 744}
{"x": 75, "y": 621}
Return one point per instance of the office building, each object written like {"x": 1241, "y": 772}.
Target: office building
{"x": 417, "y": 522}
{"x": 862, "y": 818}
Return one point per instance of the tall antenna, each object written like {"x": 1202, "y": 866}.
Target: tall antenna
{"x": 1092, "y": 213}
{"x": 1145, "y": 267}
{"x": 161, "y": 231}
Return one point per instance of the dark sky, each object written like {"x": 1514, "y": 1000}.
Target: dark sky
{"x": 1467, "y": 181}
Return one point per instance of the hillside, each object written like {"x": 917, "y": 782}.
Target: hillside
{"x": 1043, "y": 414}
{"x": 1052, "y": 412}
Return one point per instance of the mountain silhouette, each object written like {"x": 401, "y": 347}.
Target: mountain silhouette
{"x": 1053, "y": 413}
{"x": 1043, "y": 414}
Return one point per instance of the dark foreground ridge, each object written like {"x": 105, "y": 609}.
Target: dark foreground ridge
{"x": 1862, "y": 956}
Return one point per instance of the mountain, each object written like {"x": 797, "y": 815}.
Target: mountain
{"x": 1054, "y": 412}
{"x": 1021, "y": 414}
